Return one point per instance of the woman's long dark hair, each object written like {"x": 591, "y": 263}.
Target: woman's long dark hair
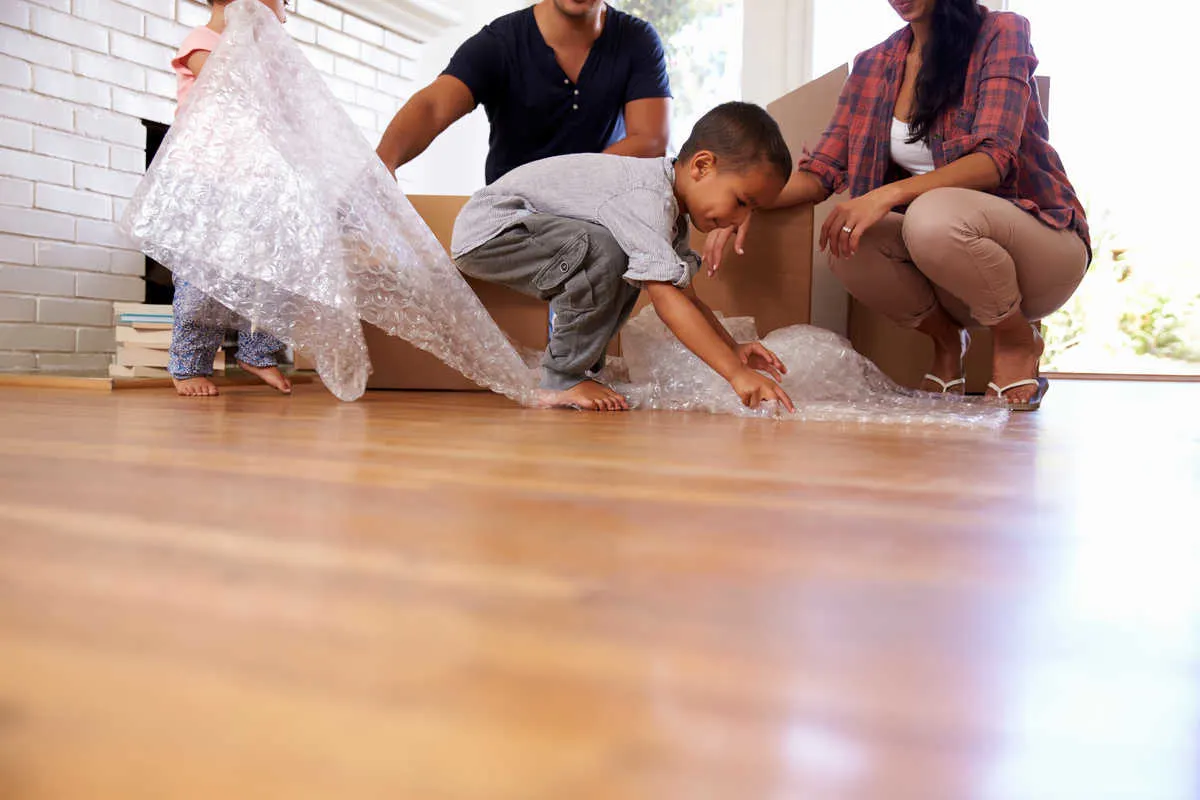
{"x": 953, "y": 31}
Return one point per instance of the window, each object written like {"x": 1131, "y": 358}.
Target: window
{"x": 1120, "y": 121}
{"x": 844, "y": 28}
{"x": 703, "y": 41}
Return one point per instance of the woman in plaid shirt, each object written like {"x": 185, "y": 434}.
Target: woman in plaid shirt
{"x": 960, "y": 211}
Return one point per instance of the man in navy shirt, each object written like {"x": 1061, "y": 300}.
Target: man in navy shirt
{"x": 565, "y": 76}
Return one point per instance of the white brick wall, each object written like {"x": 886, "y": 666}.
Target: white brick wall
{"x": 16, "y": 193}
{"x": 17, "y": 309}
{"x": 68, "y": 311}
{"x": 69, "y": 147}
{"x": 72, "y": 362}
{"x": 77, "y": 77}
{"x": 72, "y": 201}
{"x": 15, "y": 73}
{"x": 29, "y": 281}
{"x": 16, "y": 135}
{"x": 16, "y": 250}
{"x": 111, "y": 70}
{"x": 61, "y": 255}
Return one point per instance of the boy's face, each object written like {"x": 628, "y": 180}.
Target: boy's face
{"x": 720, "y": 198}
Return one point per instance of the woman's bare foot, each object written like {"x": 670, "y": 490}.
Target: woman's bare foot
{"x": 270, "y": 376}
{"x": 195, "y": 387}
{"x": 1016, "y": 351}
{"x": 586, "y": 395}
{"x": 950, "y": 343}
{"x": 948, "y": 361}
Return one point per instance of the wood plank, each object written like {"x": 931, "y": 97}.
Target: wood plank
{"x": 445, "y": 596}
{"x": 104, "y": 383}
{"x": 50, "y": 380}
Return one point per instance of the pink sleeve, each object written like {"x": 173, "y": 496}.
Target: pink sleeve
{"x": 203, "y": 38}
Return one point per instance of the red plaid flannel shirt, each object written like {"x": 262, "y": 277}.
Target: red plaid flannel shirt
{"x": 1000, "y": 116}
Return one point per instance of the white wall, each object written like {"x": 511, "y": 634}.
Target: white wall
{"x": 76, "y": 79}
{"x": 453, "y": 164}
{"x": 779, "y": 37}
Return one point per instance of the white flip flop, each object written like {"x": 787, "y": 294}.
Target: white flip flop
{"x": 946, "y": 385}
{"x": 1033, "y": 403}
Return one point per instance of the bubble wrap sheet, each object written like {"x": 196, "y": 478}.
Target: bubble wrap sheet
{"x": 827, "y": 380}
{"x": 267, "y": 197}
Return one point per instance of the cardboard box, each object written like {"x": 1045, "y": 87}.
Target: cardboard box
{"x": 396, "y": 364}
{"x": 774, "y": 281}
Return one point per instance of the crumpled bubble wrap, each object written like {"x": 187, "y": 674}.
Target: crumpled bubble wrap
{"x": 826, "y": 379}
{"x": 267, "y": 197}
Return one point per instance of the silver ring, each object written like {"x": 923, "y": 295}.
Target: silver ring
{"x": 847, "y": 229}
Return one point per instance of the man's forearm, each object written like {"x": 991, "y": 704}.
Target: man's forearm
{"x": 408, "y": 135}
{"x": 639, "y": 145}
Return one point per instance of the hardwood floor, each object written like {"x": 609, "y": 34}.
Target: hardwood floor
{"x": 444, "y": 596}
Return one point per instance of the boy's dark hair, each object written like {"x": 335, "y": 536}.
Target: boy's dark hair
{"x": 742, "y": 136}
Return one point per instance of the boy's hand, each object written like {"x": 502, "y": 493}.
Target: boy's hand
{"x": 714, "y": 245}
{"x": 754, "y": 388}
{"x": 755, "y": 355}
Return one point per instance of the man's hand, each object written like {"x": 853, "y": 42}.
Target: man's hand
{"x": 755, "y": 388}
{"x": 714, "y": 245}
{"x": 756, "y": 356}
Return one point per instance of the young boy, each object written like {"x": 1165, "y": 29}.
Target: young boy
{"x": 587, "y": 232}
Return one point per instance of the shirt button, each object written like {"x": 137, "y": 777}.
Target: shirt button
{"x": 576, "y": 91}
{"x": 562, "y": 266}
{"x": 566, "y": 81}
{"x": 575, "y": 106}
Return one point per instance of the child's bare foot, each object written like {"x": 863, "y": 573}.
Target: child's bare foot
{"x": 586, "y": 395}
{"x": 195, "y": 387}
{"x": 270, "y": 376}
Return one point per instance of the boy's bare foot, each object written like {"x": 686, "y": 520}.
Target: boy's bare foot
{"x": 270, "y": 376}
{"x": 586, "y": 395}
{"x": 195, "y": 387}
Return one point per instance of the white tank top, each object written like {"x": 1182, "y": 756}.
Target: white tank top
{"x": 917, "y": 158}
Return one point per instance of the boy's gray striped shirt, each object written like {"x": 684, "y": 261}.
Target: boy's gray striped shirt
{"x": 634, "y": 198}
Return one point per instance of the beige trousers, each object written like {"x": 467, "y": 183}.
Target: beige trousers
{"x": 978, "y": 255}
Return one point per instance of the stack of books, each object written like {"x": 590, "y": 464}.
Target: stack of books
{"x": 143, "y": 339}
